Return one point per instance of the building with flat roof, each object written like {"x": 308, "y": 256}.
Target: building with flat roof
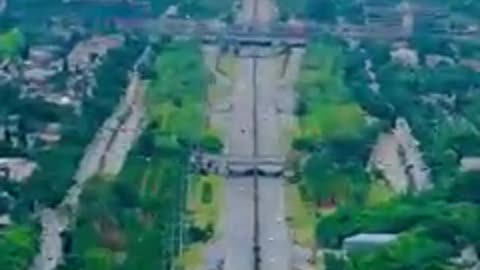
{"x": 367, "y": 241}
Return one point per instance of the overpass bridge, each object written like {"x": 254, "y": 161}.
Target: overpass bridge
{"x": 232, "y": 165}
{"x": 236, "y": 34}
{"x": 278, "y": 33}
{"x": 295, "y": 34}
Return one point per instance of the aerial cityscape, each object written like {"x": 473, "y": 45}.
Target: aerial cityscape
{"x": 239, "y": 135}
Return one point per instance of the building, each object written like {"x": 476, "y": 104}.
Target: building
{"x": 44, "y": 54}
{"x": 405, "y": 56}
{"x": 16, "y": 169}
{"x": 5, "y": 220}
{"x": 469, "y": 164}
{"x": 51, "y": 134}
{"x": 87, "y": 54}
{"x": 366, "y": 241}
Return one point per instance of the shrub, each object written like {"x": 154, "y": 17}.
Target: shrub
{"x": 211, "y": 144}
{"x": 207, "y": 193}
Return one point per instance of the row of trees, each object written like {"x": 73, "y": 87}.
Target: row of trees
{"x": 333, "y": 128}
{"x": 177, "y": 97}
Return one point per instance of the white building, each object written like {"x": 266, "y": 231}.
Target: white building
{"x": 405, "y": 56}
{"x": 366, "y": 241}
{"x": 17, "y": 169}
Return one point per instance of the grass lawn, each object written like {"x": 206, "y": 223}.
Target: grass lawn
{"x": 348, "y": 120}
{"x": 11, "y": 43}
{"x": 218, "y": 93}
{"x": 227, "y": 65}
{"x": 379, "y": 193}
{"x": 202, "y": 215}
{"x": 301, "y": 217}
{"x": 206, "y": 213}
{"x": 192, "y": 258}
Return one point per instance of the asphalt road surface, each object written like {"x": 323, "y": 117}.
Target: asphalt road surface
{"x": 273, "y": 231}
{"x": 239, "y": 210}
{"x": 239, "y": 226}
{"x": 268, "y": 129}
{"x": 241, "y": 141}
{"x": 256, "y": 83}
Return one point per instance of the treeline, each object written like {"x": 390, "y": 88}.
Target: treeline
{"x": 334, "y": 134}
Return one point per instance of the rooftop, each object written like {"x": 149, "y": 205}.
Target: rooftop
{"x": 372, "y": 237}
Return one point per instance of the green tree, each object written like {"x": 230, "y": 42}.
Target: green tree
{"x": 411, "y": 251}
{"x": 17, "y": 247}
{"x": 99, "y": 259}
{"x": 211, "y": 144}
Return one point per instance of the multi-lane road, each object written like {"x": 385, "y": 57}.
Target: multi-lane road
{"x": 255, "y": 211}
{"x": 273, "y": 231}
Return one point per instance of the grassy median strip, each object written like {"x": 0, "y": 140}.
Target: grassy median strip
{"x": 227, "y": 65}
{"x": 378, "y": 193}
{"x": 301, "y": 217}
{"x": 205, "y": 201}
{"x": 192, "y": 258}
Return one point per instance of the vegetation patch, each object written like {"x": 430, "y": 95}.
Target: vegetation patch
{"x": 18, "y": 246}
{"x": 301, "y": 217}
{"x": 379, "y": 193}
{"x": 192, "y": 258}
{"x": 206, "y": 201}
{"x": 176, "y": 96}
{"x": 11, "y": 43}
{"x": 227, "y": 65}
{"x": 334, "y": 131}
